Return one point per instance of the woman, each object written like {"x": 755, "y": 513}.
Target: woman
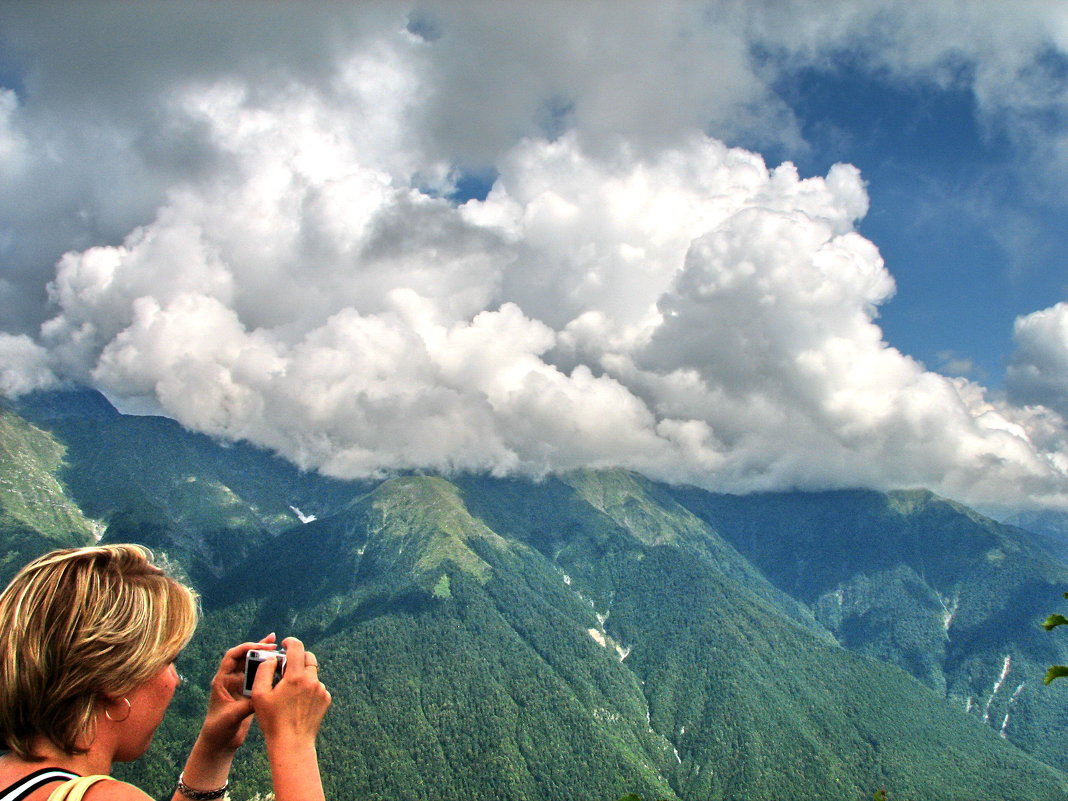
{"x": 88, "y": 639}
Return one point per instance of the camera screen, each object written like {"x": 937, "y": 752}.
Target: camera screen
{"x": 252, "y": 662}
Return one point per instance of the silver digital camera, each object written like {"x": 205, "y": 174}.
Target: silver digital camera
{"x": 252, "y": 662}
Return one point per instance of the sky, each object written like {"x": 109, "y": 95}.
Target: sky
{"x": 782, "y": 244}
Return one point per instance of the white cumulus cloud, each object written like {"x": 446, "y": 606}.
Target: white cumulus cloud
{"x": 263, "y": 246}
{"x": 24, "y": 366}
{"x": 1038, "y": 373}
{"x": 691, "y": 314}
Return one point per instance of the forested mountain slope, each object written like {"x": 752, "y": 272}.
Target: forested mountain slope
{"x": 587, "y": 635}
{"x": 35, "y": 512}
{"x": 952, "y": 597}
{"x": 150, "y": 480}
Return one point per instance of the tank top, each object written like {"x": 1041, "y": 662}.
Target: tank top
{"x": 27, "y": 784}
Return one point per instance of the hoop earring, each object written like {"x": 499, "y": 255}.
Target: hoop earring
{"x": 107, "y": 714}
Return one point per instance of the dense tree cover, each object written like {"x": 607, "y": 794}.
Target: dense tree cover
{"x": 590, "y": 635}
{"x": 948, "y": 595}
{"x": 501, "y": 691}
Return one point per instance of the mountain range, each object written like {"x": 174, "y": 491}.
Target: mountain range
{"x": 585, "y": 635}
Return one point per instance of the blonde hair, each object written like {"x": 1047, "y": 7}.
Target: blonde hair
{"x": 80, "y": 624}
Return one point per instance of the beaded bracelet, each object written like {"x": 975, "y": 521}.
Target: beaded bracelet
{"x": 200, "y": 795}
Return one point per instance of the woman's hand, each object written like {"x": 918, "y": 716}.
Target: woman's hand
{"x": 289, "y": 713}
{"x": 295, "y": 706}
{"x": 229, "y": 712}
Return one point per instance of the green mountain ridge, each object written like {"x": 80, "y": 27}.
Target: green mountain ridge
{"x": 590, "y": 634}
{"x": 147, "y": 479}
{"x": 36, "y": 513}
{"x": 687, "y": 684}
{"x": 959, "y": 609}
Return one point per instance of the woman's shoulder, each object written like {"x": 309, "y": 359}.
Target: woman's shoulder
{"x": 105, "y": 789}
{"x": 108, "y": 789}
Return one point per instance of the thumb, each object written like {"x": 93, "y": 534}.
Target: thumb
{"x": 264, "y": 679}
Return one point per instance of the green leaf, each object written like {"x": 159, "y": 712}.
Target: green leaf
{"x": 631, "y": 797}
{"x": 1053, "y": 621}
{"x": 1056, "y": 672}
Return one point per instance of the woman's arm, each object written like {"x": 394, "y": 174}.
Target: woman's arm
{"x": 290, "y": 714}
{"x": 225, "y": 727}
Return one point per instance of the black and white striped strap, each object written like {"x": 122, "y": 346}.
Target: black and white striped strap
{"x": 27, "y": 784}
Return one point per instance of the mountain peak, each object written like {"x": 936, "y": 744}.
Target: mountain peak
{"x": 417, "y": 524}
{"x": 629, "y": 499}
{"x": 80, "y": 403}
